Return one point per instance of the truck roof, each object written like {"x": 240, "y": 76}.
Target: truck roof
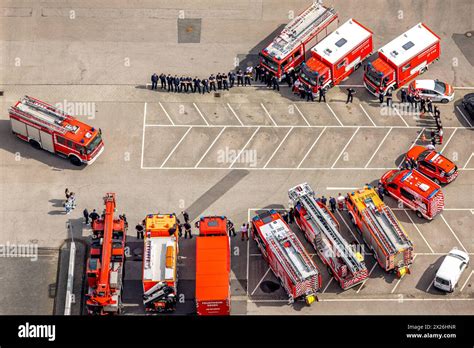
{"x": 213, "y": 225}
{"x": 409, "y": 44}
{"x": 418, "y": 183}
{"x": 163, "y": 225}
{"x": 212, "y": 268}
{"x": 342, "y": 41}
{"x": 159, "y": 259}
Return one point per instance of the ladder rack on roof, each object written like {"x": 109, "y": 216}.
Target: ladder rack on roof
{"x": 302, "y": 27}
{"x": 43, "y": 114}
{"x": 304, "y": 194}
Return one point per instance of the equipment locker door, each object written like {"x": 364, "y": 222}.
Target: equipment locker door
{"x": 47, "y": 141}
{"x": 18, "y": 127}
{"x": 33, "y": 133}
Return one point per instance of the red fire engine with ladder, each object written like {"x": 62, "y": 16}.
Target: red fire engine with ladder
{"x": 288, "y": 49}
{"x": 49, "y": 128}
{"x": 106, "y": 262}
{"x": 160, "y": 256}
{"x": 380, "y": 230}
{"x": 322, "y": 231}
{"x": 286, "y": 256}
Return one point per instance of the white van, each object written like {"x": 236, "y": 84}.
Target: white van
{"x": 451, "y": 269}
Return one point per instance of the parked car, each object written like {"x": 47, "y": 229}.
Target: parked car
{"x": 433, "y": 164}
{"x": 451, "y": 269}
{"x": 468, "y": 104}
{"x": 436, "y": 90}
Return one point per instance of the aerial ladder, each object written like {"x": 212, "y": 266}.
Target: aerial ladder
{"x": 106, "y": 262}
{"x": 322, "y": 230}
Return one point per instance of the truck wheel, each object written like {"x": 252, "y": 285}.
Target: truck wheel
{"x": 444, "y": 101}
{"x": 419, "y": 214}
{"x": 357, "y": 66}
{"x": 75, "y": 161}
{"x": 35, "y": 144}
{"x": 422, "y": 71}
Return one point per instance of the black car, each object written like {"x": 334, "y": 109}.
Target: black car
{"x": 468, "y": 104}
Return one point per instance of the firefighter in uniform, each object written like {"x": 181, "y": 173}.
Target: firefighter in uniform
{"x": 231, "y": 78}
{"x": 205, "y": 86}
{"x": 225, "y": 84}
{"x": 197, "y": 85}
{"x": 240, "y": 77}
{"x": 212, "y": 83}
{"x": 219, "y": 80}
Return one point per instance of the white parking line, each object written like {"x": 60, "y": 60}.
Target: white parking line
{"x": 418, "y": 137}
{"x": 175, "y": 147}
{"x": 261, "y": 280}
{"x": 143, "y": 133}
{"x": 268, "y": 114}
{"x": 278, "y": 147}
{"x": 209, "y": 148}
{"x": 345, "y": 147}
{"x": 243, "y": 148}
{"x": 465, "y": 283}
{"x": 378, "y": 148}
{"x": 400, "y": 279}
{"x": 350, "y": 230}
{"x": 366, "y": 114}
{"x": 447, "y": 142}
{"x": 406, "y": 124}
{"x": 363, "y": 283}
{"x": 429, "y": 286}
{"x": 334, "y": 114}
{"x": 200, "y": 113}
{"x": 454, "y": 234}
{"x": 235, "y": 114}
{"x": 468, "y": 160}
{"x": 327, "y": 286}
{"x": 311, "y": 148}
{"x": 465, "y": 118}
{"x": 166, "y": 113}
{"x": 304, "y": 118}
{"x": 421, "y": 234}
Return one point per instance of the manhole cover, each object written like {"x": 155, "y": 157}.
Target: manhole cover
{"x": 269, "y": 286}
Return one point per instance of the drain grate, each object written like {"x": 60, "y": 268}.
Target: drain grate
{"x": 189, "y": 30}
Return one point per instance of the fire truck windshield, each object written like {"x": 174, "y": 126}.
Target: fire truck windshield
{"x": 93, "y": 144}
{"x": 373, "y": 76}
{"x": 309, "y": 75}
{"x": 269, "y": 63}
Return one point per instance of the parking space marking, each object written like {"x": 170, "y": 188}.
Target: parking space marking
{"x": 143, "y": 133}
{"x": 175, "y": 147}
{"x": 363, "y": 283}
{"x": 278, "y": 147}
{"x": 378, "y": 148}
{"x": 345, "y": 147}
{"x": 299, "y": 111}
{"x": 200, "y": 113}
{"x": 261, "y": 280}
{"x": 311, "y": 148}
{"x": 429, "y": 286}
{"x": 406, "y": 124}
{"x": 166, "y": 113}
{"x": 454, "y": 234}
{"x": 400, "y": 279}
{"x": 412, "y": 144}
{"x": 366, "y": 114}
{"x": 268, "y": 114}
{"x": 468, "y": 160}
{"x": 421, "y": 234}
{"x": 447, "y": 142}
{"x": 465, "y": 283}
{"x": 235, "y": 114}
{"x": 350, "y": 230}
{"x": 464, "y": 116}
{"x": 334, "y": 114}
{"x": 327, "y": 286}
{"x": 210, "y": 146}
{"x": 243, "y": 148}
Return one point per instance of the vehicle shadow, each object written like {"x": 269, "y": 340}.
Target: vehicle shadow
{"x": 428, "y": 276}
{"x": 21, "y": 150}
{"x": 462, "y": 115}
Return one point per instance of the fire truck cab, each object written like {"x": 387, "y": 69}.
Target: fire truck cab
{"x": 432, "y": 164}
{"x": 402, "y": 59}
{"x": 337, "y": 56}
{"x": 47, "y": 127}
{"x": 414, "y": 190}
{"x": 288, "y": 49}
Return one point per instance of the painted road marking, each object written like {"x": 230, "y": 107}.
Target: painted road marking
{"x": 268, "y": 114}
{"x": 278, "y": 147}
{"x": 175, "y": 147}
{"x": 378, "y": 148}
{"x": 243, "y": 148}
{"x": 311, "y": 148}
{"x": 334, "y": 114}
{"x": 235, "y": 114}
{"x": 143, "y": 133}
{"x": 366, "y": 114}
{"x": 200, "y": 113}
{"x": 464, "y": 116}
{"x": 345, "y": 147}
{"x": 454, "y": 234}
{"x": 299, "y": 111}
{"x": 166, "y": 113}
{"x": 210, "y": 146}
{"x": 421, "y": 234}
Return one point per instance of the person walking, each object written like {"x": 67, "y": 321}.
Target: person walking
{"x": 154, "y": 81}
{"x": 68, "y": 206}
{"x": 85, "y": 213}
{"x": 244, "y": 232}
{"x": 322, "y": 94}
{"x": 403, "y": 95}
{"x": 231, "y": 228}
{"x": 139, "y": 229}
{"x": 187, "y": 230}
{"x": 332, "y": 204}
{"x": 350, "y": 95}
{"x": 66, "y": 193}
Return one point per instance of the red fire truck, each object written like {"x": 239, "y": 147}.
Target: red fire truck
{"x": 402, "y": 59}
{"x": 321, "y": 229}
{"x": 288, "y": 49}
{"x": 105, "y": 265}
{"x": 415, "y": 191}
{"x": 286, "y": 257}
{"x": 46, "y": 127}
{"x": 213, "y": 267}
{"x": 160, "y": 256}
{"x": 337, "y": 56}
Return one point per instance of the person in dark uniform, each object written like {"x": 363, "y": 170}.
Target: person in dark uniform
{"x": 176, "y": 84}
{"x": 163, "y": 81}
{"x": 381, "y": 97}
{"x": 403, "y": 95}
{"x": 182, "y": 84}
{"x": 389, "y": 98}
{"x": 189, "y": 84}
{"x": 219, "y": 80}
{"x": 324, "y": 200}
{"x": 350, "y": 95}
{"x": 275, "y": 83}
{"x": 94, "y": 216}
{"x": 332, "y": 204}
{"x": 86, "y": 216}
{"x": 429, "y": 105}
{"x": 258, "y": 72}
{"x": 322, "y": 94}
{"x": 309, "y": 93}
{"x": 139, "y": 228}
{"x": 410, "y": 100}
{"x": 301, "y": 90}
{"x": 240, "y": 78}
{"x": 180, "y": 227}
{"x": 185, "y": 216}
{"x": 225, "y": 84}
{"x": 169, "y": 80}
{"x": 197, "y": 85}
{"x": 231, "y": 228}
{"x": 187, "y": 230}
{"x": 291, "y": 215}
{"x": 248, "y": 76}
{"x": 205, "y": 86}
{"x": 154, "y": 81}
{"x": 212, "y": 83}
{"x": 416, "y": 100}
{"x": 231, "y": 76}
